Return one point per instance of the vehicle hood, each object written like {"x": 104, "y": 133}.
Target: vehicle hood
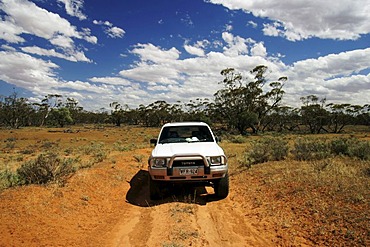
{"x": 203, "y": 148}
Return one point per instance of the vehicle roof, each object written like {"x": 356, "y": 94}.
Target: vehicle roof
{"x": 185, "y": 124}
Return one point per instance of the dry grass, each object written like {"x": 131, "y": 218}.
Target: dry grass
{"x": 326, "y": 200}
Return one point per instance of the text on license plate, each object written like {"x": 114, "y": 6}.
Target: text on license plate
{"x": 189, "y": 171}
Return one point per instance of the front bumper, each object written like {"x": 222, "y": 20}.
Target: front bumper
{"x": 202, "y": 171}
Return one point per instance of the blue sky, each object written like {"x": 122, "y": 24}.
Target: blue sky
{"x": 138, "y": 52}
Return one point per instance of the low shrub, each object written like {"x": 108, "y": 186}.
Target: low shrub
{"x": 267, "y": 149}
{"x": 238, "y": 139}
{"x": 92, "y": 148}
{"x": 311, "y": 149}
{"x": 8, "y": 179}
{"x": 359, "y": 149}
{"x": 339, "y": 146}
{"x": 44, "y": 169}
{"x": 351, "y": 147}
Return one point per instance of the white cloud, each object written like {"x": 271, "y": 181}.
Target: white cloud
{"x": 259, "y": 50}
{"x": 73, "y": 8}
{"x": 37, "y": 21}
{"x": 228, "y": 28}
{"x": 8, "y": 48}
{"x": 298, "y": 19}
{"x": 62, "y": 41}
{"x": 26, "y": 71}
{"x": 105, "y": 23}
{"x": 151, "y": 53}
{"x": 10, "y": 32}
{"x": 329, "y": 76}
{"x": 71, "y": 55}
{"x": 24, "y": 17}
{"x": 193, "y": 50}
{"x": 115, "y": 32}
{"x": 272, "y": 29}
{"x": 334, "y": 65}
{"x": 236, "y": 44}
{"x": 184, "y": 79}
{"x": 252, "y": 24}
{"x": 197, "y": 49}
{"x": 164, "y": 73}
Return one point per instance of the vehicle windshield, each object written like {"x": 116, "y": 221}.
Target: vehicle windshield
{"x": 175, "y": 134}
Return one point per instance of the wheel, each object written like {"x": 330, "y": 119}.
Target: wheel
{"x": 154, "y": 189}
{"x": 222, "y": 187}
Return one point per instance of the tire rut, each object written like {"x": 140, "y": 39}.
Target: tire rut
{"x": 223, "y": 224}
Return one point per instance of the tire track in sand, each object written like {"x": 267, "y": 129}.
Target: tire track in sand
{"x": 222, "y": 223}
{"x": 134, "y": 229}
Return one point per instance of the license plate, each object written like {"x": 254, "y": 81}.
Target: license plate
{"x": 188, "y": 171}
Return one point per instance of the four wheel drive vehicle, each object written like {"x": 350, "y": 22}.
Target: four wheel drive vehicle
{"x": 187, "y": 152}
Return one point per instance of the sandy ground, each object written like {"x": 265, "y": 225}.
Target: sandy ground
{"x": 110, "y": 206}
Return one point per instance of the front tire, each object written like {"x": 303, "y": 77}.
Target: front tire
{"x": 221, "y": 187}
{"x": 154, "y": 189}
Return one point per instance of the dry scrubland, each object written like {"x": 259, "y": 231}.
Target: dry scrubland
{"x": 285, "y": 191}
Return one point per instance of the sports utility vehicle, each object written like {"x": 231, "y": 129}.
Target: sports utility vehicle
{"x": 187, "y": 152}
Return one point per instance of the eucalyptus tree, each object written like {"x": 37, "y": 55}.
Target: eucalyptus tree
{"x": 118, "y": 112}
{"x": 245, "y": 104}
{"x": 14, "y": 111}
{"x": 313, "y": 113}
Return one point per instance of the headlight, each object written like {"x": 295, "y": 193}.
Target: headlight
{"x": 158, "y": 162}
{"x": 217, "y": 160}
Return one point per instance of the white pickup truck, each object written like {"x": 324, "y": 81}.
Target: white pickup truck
{"x": 187, "y": 152}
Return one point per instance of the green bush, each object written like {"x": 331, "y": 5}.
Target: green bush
{"x": 351, "y": 147}
{"x": 311, "y": 149}
{"x": 92, "y": 148}
{"x": 238, "y": 139}
{"x": 267, "y": 149}
{"x": 8, "y": 179}
{"x": 339, "y": 146}
{"x": 44, "y": 169}
{"x": 359, "y": 149}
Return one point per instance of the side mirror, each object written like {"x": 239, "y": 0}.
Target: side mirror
{"x": 218, "y": 139}
{"x": 153, "y": 141}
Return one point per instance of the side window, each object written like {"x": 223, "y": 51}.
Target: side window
{"x": 206, "y": 134}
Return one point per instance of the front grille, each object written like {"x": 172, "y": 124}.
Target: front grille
{"x": 181, "y": 163}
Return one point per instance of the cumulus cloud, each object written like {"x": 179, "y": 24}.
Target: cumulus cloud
{"x": 197, "y": 49}
{"x": 329, "y": 75}
{"x": 73, "y": 8}
{"x": 193, "y": 50}
{"x": 34, "y": 20}
{"x": 297, "y": 19}
{"x": 10, "y": 32}
{"x": 259, "y": 50}
{"x": 185, "y": 79}
{"x": 334, "y": 65}
{"x": 26, "y": 71}
{"x": 24, "y": 17}
{"x": 236, "y": 44}
{"x": 180, "y": 79}
{"x": 151, "y": 53}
